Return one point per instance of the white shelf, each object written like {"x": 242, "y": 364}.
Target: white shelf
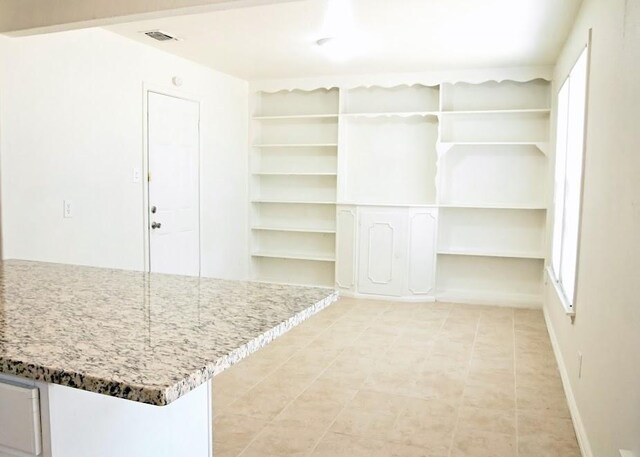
{"x": 294, "y": 202}
{"x": 444, "y": 147}
{"x": 392, "y": 114}
{"x": 292, "y": 229}
{"x": 390, "y": 205}
{"x": 500, "y": 280}
{"x": 295, "y": 284}
{"x": 500, "y": 111}
{"x": 294, "y": 256}
{"x": 513, "y": 255}
{"x": 514, "y": 207}
{"x": 294, "y": 271}
{"x": 296, "y": 145}
{"x": 476, "y": 297}
{"x": 295, "y": 116}
{"x": 493, "y": 143}
{"x": 292, "y": 173}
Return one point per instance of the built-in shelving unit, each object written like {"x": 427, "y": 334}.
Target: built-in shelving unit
{"x": 388, "y": 138}
{"x": 468, "y": 161}
{"x": 293, "y": 186}
{"x": 492, "y": 178}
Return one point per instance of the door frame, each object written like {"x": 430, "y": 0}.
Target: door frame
{"x": 160, "y": 89}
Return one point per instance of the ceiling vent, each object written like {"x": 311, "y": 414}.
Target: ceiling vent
{"x": 160, "y": 36}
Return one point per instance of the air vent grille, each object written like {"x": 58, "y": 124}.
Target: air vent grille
{"x": 160, "y": 36}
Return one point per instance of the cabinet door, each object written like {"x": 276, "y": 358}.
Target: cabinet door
{"x": 422, "y": 251}
{"x": 346, "y": 248}
{"x": 382, "y": 252}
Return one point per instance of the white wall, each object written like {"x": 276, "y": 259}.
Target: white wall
{"x": 607, "y": 325}
{"x": 72, "y": 120}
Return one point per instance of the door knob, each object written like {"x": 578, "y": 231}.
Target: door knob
{"x": 156, "y": 225}
{"x": 153, "y": 210}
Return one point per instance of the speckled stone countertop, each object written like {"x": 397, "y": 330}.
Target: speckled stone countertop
{"x": 147, "y": 338}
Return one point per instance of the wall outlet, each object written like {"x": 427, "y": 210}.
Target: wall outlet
{"x": 579, "y": 365}
{"x": 136, "y": 175}
{"x": 68, "y": 209}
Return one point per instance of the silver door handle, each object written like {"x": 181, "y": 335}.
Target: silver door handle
{"x": 156, "y": 225}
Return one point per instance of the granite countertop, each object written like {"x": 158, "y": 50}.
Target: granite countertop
{"x": 150, "y": 338}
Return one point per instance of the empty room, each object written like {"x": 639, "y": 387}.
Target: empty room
{"x": 320, "y": 228}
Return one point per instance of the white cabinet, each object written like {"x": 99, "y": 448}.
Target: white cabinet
{"x": 383, "y": 252}
{"x": 346, "y": 249}
{"x": 421, "y": 266}
{"x": 19, "y": 419}
{"x": 386, "y": 251}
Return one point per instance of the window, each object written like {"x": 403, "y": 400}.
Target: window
{"x": 568, "y": 180}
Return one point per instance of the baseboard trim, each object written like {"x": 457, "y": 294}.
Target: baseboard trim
{"x": 407, "y": 299}
{"x": 578, "y": 425}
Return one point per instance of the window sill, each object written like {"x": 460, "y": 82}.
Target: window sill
{"x": 568, "y": 309}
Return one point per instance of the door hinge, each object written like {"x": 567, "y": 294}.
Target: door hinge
{"x": 149, "y": 176}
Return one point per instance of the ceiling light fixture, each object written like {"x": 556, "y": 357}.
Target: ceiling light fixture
{"x": 324, "y": 41}
{"x": 340, "y": 41}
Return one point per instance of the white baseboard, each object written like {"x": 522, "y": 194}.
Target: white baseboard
{"x": 408, "y": 299}
{"x": 578, "y": 425}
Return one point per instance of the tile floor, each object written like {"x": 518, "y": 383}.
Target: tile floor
{"x": 371, "y": 378}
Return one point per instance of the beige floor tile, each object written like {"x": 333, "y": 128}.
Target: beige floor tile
{"x": 398, "y": 380}
{"x": 474, "y": 443}
{"x": 349, "y": 370}
{"x": 452, "y": 348}
{"x": 312, "y": 361}
{"x": 317, "y": 406}
{"x": 338, "y": 445}
{"x": 428, "y": 424}
{"x": 277, "y": 440}
{"x": 276, "y": 352}
{"x": 487, "y": 420}
{"x": 527, "y": 366}
{"x": 543, "y": 436}
{"x": 456, "y": 363}
{"x": 481, "y": 361}
{"x": 548, "y": 402}
{"x": 232, "y": 433}
{"x": 542, "y": 376}
{"x": 240, "y": 378}
{"x": 263, "y": 402}
{"x": 413, "y": 342}
{"x": 489, "y": 347}
{"x": 490, "y": 375}
{"x": 403, "y": 450}
{"x": 490, "y": 396}
{"x": 370, "y": 414}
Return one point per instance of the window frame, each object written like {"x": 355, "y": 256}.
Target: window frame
{"x": 568, "y": 302}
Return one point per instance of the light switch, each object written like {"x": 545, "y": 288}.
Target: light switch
{"x": 135, "y": 175}
{"x": 68, "y": 208}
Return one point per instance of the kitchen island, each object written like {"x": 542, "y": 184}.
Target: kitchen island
{"x": 97, "y": 362}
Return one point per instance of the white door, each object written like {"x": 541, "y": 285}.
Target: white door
{"x": 383, "y": 241}
{"x": 174, "y": 219}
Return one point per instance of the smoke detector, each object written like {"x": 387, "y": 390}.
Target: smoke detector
{"x": 159, "y": 35}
